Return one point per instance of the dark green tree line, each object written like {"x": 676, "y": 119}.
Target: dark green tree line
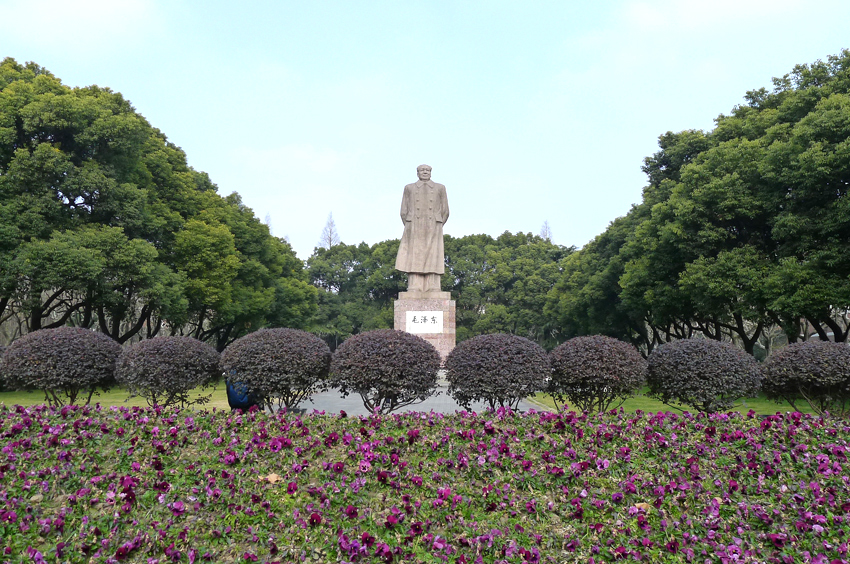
{"x": 357, "y": 286}
{"x": 500, "y": 285}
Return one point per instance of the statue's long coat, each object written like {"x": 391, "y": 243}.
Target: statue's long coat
{"x": 424, "y": 210}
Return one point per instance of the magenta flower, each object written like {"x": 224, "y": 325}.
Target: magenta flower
{"x": 351, "y": 511}
{"x": 412, "y": 435}
{"x": 291, "y": 488}
{"x": 315, "y": 519}
{"x": 777, "y": 540}
{"x": 124, "y": 551}
{"x": 339, "y": 467}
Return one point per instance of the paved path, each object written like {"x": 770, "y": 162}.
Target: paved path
{"x": 331, "y": 403}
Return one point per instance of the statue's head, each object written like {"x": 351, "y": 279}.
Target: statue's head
{"x": 423, "y": 172}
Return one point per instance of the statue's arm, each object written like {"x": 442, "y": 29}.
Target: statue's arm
{"x": 405, "y": 205}
{"x": 405, "y": 200}
{"x": 444, "y": 204}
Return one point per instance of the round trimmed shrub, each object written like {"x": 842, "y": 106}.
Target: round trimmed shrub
{"x": 389, "y": 369}
{"x": 498, "y": 368}
{"x": 164, "y": 370}
{"x": 62, "y": 362}
{"x": 707, "y": 375}
{"x": 817, "y": 372}
{"x": 281, "y": 365}
{"x": 594, "y": 372}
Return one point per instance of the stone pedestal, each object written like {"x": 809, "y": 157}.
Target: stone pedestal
{"x": 430, "y": 315}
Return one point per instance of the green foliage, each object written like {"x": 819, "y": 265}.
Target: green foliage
{"x": 704, "y": 374}
{"x": 389, "y": 369}
{"x": 677, "y": 150}
{"x": 594, "y": 372}
{"x": 817, "y": 372}
{"x": 281, "y": 365}
{"x": 103, "y": 224}
{"x": 63, "y": 363}
{"x": 500, "y": 369}
{"x": 501, "y": 284}
{"x": 164, "y": 370}
{"x": 356, "y": 286}
{"x": 741, "y": 230}
{"x": 586, "y": 298}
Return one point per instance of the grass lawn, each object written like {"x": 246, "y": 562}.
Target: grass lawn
{"x": 761, "y": 405}
{"x": 119, "y": 397}
{"x": 115, "y": 396}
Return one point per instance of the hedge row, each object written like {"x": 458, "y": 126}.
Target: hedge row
{"x": 392, "y": 369}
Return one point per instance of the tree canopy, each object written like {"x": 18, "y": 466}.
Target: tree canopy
{"x": 103, "y": 224}
{"x": 743, "y": 231}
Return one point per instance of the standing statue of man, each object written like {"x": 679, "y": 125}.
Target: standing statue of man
{"x": 424, "y": 210}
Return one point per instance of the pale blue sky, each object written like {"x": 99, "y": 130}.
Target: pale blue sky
{"x": 532, "y": 112}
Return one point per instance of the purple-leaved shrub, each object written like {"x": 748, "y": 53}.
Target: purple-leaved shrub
{"x": 500, "y": 369}
{"x": 594, "y": 372}
{"x": 164, "y": 370}
{"x": 705, "y": 374}
{"x": 817, "y": 372}
{"x": 64, "y": 363}
{"x": 283, "y": 366}
{"x": 389, "y": 369}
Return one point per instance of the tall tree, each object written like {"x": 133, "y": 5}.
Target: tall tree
{"x": 104, "y": 224}
{"x": 741, "y": 229}
{"x": 329, "y": 236}
{"x": 546, "y": 231}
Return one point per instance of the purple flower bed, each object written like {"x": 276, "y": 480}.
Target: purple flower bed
{"x": 111, "y": 485}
